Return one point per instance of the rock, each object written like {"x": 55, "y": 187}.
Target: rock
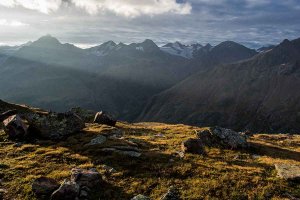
{"x": 7, "y": 114}
{"x": 140, "y": 197}
{"x": 88, "y": 178}
{"x": 55, "y": 126}
{"x": 15, "y": 127}
{"x": 123, "y": 152}
{"x": 98, "y": 140}
{"x": 86, "y": 115}
{"x": 109, "y": 170}
{"x": 224, "y": 138}
{"x": 114, "y": 134}
{"x": 172, "y": 194}
{"x": 104, "y": 118}
{"x": 288, "y": 172}
{"x": 180, "y": 154}
{"x": 67, "y": 191}
{"x": 44, "y": 187}
{"x": 193, "y": 146}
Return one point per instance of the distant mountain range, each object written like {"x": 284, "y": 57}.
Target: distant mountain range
{"x": 141, "y": 81}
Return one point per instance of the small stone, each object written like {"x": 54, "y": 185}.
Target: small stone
{"x": 140, "y": 197}
{"x": 109, "y": 169}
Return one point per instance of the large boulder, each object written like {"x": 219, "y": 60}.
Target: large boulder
{"x": 222, "y": 137}
{"x": 7, "y": 114}
{"x": 55, "y": 126}
{"x": 104, "y": 118}
{"x": 43, "y": 187}
{"x": 193, "y": 146}
{"x": 15, "y": 127}
{"x": 67, "y": 191}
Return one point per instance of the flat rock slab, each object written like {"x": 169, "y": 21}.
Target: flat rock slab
{"x": 288, "y": 171}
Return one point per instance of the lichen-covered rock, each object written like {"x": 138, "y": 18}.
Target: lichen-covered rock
{"x": 86, "y": 115}
{"x": 172, "y": 194}
{"x": 288, "y": 172}
{"x": 222, "y": 137}
{"x": 43, "y": 187}
{"x": 55, "y": 126}
{"x": 140, "y": 197}
{"x": 67, "y": 191}
{"x": 15, "y": 127}
{"x": 104, "y": 118}
{"x": 193, "y": 146}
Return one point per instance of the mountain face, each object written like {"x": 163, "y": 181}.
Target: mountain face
{"x": 259, "y": 94}
{"x": 120, "y": 78}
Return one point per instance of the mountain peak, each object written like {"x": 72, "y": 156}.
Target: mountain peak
{"x": 149, "y": 45}
{"x": 46, "y": 41}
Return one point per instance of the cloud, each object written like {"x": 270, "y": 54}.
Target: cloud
{"x": 12, "y": 23}
{"x": 134, "y": 8}
{"x": 127, "y": 8}
{"x": 43, "y": 6}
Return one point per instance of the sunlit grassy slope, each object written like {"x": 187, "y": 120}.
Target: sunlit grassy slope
{"x": 221, "y": 174}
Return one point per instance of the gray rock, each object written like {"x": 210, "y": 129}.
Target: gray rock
{"x": 288, "y": 172}
{"x": 55, "y": 126}
{"x": 172, "y": 194}
{"x": 67, "y": 191}
{"x": 193, "y": 146}
{"x": 15, "y": 127}
{"x": 224, "y": 138}
{"x": 44, "y": 187}
{"x": 140, "y": 197}
{"x": 98, "y": 140}
{"x": 104, "y": 118}
{"x": 89, "y": 178}
{"x": 109, "y": 170}
{"x": 123, "y": 152}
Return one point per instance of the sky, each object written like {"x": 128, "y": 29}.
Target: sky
{"x": 87, "y": 23}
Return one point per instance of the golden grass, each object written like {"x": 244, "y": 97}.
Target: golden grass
{"x": 221, "y": 174}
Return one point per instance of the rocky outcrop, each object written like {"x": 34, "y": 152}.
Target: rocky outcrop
{"x": 97, "y": 140}
{"x": 86, "y": 115}
{"x": 104, "y": 118}
{"x": 15, "y": 127}
{"x": 43, "y": 187}
{"x": 222, "y": 137}
{"x": 193, "y": 146}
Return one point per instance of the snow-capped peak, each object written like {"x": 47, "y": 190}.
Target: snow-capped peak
{"x": 178, "y": 49}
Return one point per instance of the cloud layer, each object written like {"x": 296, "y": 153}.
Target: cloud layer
{"x": 127, "y": 8}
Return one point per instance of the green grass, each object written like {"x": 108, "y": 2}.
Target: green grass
{"x": 221, "y": 174}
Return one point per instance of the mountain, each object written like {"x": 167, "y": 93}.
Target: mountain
{"x": 259, "y": 94}
{"x": 265, "y": 48}
{"x": 58, "y": 76}
{"x": 120, "y": 78}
